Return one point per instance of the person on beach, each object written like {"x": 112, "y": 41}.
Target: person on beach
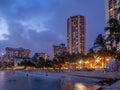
{"x": 46, "y": 74}
{"x": 104, "y": 71}
{"x": 27, "y": 75}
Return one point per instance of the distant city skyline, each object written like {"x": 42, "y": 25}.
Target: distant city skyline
{"x": 39, "y": 24}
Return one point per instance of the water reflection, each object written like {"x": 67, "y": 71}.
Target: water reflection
{"x": 67, "y": 84}
{"x": 2, "y": 79}
{"x": 80, "y": 86}
{"x": 17, "y": 81}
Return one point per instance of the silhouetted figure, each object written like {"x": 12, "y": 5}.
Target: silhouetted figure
{"x": 46, "y": 74}
{"x": 27, "y": 75}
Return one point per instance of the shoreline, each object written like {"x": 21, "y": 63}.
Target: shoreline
{"x": 104, "y": 79}
{"x": 101, "y": 80}
{"x": 76, "y": 79}
{"x": 89, "y": 83}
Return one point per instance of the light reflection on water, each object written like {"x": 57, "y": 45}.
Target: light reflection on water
{"x": 15, "y": 81}
{"x": 80, "y": 86}
{"x": 68, "y": 84}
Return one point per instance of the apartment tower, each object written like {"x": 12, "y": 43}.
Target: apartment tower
{"x": 112, "y": 11}
{"x": 76, "y": 34}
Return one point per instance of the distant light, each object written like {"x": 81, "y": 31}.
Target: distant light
{"x": 87, "y": 62}
{"x": 80, "y": 62}
{"x": 97, "y": 60}
{"x": 107, "y": 59}
{"x": 80, "y": 86}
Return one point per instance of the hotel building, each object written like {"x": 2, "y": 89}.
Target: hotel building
{"x": 76, "y": 34}
{"x": 112, "y": 11}
{"x": 58, "y": 50}
{"x": 16, "y": 55}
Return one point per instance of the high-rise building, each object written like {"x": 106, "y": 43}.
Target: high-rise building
{"x": 112, "y": 11}
{"x": 58, "y": 50}
{"x": 76, "y": 34}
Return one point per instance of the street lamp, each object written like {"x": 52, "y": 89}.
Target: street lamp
{"x": 80, "y": 62}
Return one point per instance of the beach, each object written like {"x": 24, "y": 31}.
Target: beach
{"x": 74, "y": 80}
{"x": 87, "y": 75}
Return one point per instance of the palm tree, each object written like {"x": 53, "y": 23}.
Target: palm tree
{"x": 114, "y": 33}
{"x": 100, "y": 44}
{"x": 90, "y": 54}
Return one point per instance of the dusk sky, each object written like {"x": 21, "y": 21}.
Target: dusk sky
{"x": 39, "y": 24}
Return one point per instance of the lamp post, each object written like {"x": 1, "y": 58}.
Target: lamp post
{"x": 81, "y": 63}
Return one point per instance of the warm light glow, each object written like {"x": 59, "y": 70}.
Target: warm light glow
{"x": 107, "y": 59}
{"x": 79, "y": 86}
{"x": 86, "y": 62}
{"x": 80, "y": 62}
{"x": 97, "y": 60}
{"x": 102, "y": 64}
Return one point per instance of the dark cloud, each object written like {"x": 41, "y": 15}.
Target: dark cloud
{"x": 20, "y": 36}
{"x": 38, "y": 24}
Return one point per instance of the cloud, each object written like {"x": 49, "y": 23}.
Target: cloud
{"x": 22, "y": 36}
{"x": 3, "y": 29}
{"x": 38, "y": 24}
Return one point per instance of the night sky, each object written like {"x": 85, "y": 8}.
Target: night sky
{"x": 39, "y": 24}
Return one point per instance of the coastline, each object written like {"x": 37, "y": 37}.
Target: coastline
{"x": 93, "y": 82}
{"x": 102, "y": 81}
